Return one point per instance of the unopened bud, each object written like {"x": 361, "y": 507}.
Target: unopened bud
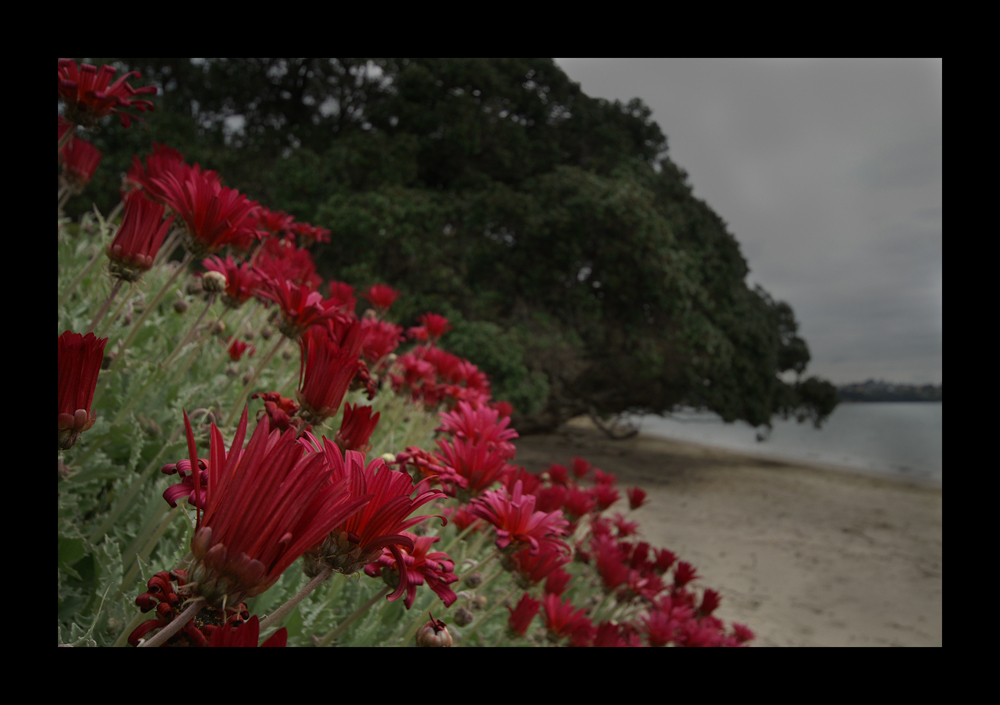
{"x": 180, "y": 305}
{"x": 474, "y": 580}
{"x": 219, "y": 328}
{"x": 479, "y": 602}
{"x": 434, "y": 633}
{"x": 286, "y": 354}
{"x": 267, "y": 332}
{"x": 193, "y": 286}
{"x": 463, "y": 617}
{"x": 213, "y": 282}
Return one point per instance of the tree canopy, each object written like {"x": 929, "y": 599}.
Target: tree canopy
{"x": 552, "y": 228}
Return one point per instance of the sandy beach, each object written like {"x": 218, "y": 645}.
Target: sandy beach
{"x": 804, "y": 556}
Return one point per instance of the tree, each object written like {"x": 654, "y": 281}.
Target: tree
{"x": 495, "y": 192}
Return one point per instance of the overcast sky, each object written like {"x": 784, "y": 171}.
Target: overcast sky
{"x": 828, "y": 173}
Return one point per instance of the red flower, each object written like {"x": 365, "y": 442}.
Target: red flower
{"x": 80, "y": 358}
{"x": 516, "y": 521}
{"x": 480, "y": 425}
{"x": 435, "y": 325}
{"x": 185, "y": 488}
{"x": 326, "y": 371}
{"x": 342, "y": 297}
{"x": 436, "y": 569}
{"x": 532, "y": 568}
{"x": 310, "y": 233}
{"x": 521, "y": 616}
{"x": 281, "y": 410}
{"x": 88, "y": 97}
{"x": 275, "y": 222}
{"x": 241, "y": 279}
{"x": 557, "y": 581}
{"x": 380, "y": 339}
{"x": 163, "y": 160}
{"x": 237, "y": 347}
{"x": 684, "y": 573}
{"x": 580, "y": 467}
{"x": 246, "y": 635}
{"x": 356, "y": 428}
{"x": 279, "y": 260}
{"x": 605, "y": 494}
{"x": 215, "y": 216}
{"x": 265, "y": 506}
{"x": 478, "y": 464}
{"x": 138, "y": 238}
{"x": 636, "y": 497}
{"x": 301, "y": 307}
{"x": 561, "y": 619}
{"x": 359, "y": 539}
{"x": 80, "y": 160}
{"x": 381, "y": 296}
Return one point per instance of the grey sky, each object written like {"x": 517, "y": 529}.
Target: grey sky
{"x": 828, "y": 173}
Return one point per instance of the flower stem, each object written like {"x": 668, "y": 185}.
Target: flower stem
{"x": 238, "y": 406}
{"x": 110, "y": 320}
{"x": 282, "y": 612}
{"x": 75, "y": 284}
{"x": 179, "y": 621}
{"x": 150, "y": 307}
{"x": 104, "y": 309}
{"x": 192, "y": 331}
{"x": 325, "y": 641}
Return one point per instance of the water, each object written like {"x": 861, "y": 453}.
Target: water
{"x": 902, "y": 439}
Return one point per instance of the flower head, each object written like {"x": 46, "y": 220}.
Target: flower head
{"x": 516, "y": 522}
{"x": 381, "y": 296}
{"x": 359, "y": 539}
{"x": 80, "y": 358}
{"x": 636, "y": 497}
{"x": 246, "y": 635}
{"x": 241, "y": 279}
{"x": 80, "y": 160}
{"x": 422, "y": 566}
{"x": 356, "y": 428}
{"x": 88, "y": 94}
{"x": 326, "y": 371}
{"x": 301, "y": 307}
{"x": 214, "y": 215}
{"x": 264, "y": 507}
{"x": 138, "y": 238}
{"x": 522, "y": 614}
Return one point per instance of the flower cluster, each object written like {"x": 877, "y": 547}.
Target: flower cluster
{"x": 573, "y": 571}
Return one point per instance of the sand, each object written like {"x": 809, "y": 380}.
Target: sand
{"x": 803, "y": 555}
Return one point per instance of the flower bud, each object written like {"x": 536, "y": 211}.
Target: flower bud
{"x": 463, "y": 617}
{"x": 180, "y": 305}
{"x": 473, "y": 580}
{"x": 434, "y": 633}
{"x": 213, "y": 282}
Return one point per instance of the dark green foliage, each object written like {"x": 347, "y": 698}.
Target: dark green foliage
{"x": 495, "y": 192}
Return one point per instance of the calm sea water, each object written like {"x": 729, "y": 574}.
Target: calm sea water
{"x": 884, "y": 437}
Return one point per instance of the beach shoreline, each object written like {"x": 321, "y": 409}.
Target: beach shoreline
{"x": 805, "y": 554}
